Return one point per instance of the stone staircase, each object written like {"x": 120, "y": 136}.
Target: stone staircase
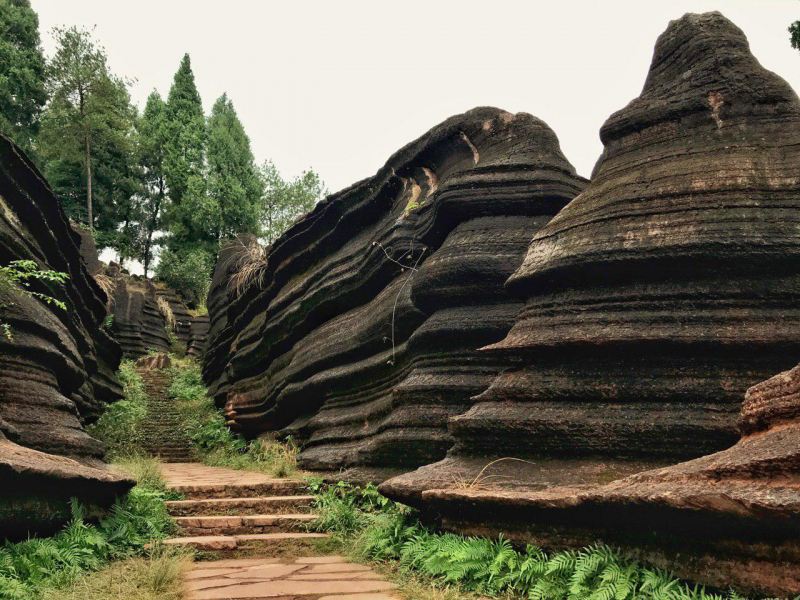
{"x": 164, "y": 435}
{"x": 226, "y": 509}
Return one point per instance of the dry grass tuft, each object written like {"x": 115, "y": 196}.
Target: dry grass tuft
{"x": 251, "y": 268}
{"x": 165, "y": 309}
{"x": 158, "y": 577}
{"x": 481, "y": 480}
{"x": 106, "y": 284}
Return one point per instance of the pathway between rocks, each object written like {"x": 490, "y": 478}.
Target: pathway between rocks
{"x": 227, "y": 514}
{"x": 164, "y": 435}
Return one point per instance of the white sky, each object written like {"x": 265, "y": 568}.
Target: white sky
{"x": 340, "y": 85}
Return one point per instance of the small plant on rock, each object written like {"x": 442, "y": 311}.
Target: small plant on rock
{"x": 17, "y": 277}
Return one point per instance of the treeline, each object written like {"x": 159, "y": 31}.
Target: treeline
{"x": 167, "y": 180}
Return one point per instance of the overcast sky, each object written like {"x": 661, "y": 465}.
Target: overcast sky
{"x": 340, "y": 85}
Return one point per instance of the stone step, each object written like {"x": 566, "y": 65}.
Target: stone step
{"x": 239, "y": 525}
{"x": 231, "y": 542}
{"x": 240, "y": 506}
{"x": 275, "y": 487}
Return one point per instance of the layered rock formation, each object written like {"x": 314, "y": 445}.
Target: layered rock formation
{"x": 139, "y": 324}
{"x": 362, "y": 340}
{"x": 652, "y": 302}
{"x": 221, "y": 301}
{"x": 181, "y": 320}
{"x": 198, "y": 336}
{"x": 56, "y": 366}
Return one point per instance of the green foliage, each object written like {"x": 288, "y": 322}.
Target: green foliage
{"x": 22, "y": 72}
{"x": 794, "y": 33}
{"x": 219, "y": 200}
{"x": 153, "y": 137}
{"x": 380, "y": 529}
{"x": 186, "y": 132}
{"x": 234, "y": 187}
{"x": 188, "y": 272}
{"x": 284, "y": 201}
{"x": 215, "y": 443}
{"x": 88, "y": 140}
{"x": 17, "y": 278}
{"x": 120, "y": 425}
{"x": 29, "y": 568}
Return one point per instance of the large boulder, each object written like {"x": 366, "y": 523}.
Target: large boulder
{"x": 653, "y": 301}
{"x": 360, "y": 336}
{"x": 56, "y": 365}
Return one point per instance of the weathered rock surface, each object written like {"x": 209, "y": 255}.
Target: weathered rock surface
{"x": 363, "y": 339}
{"x": 56, "y": 368}
{"x": 220, "y": 302}
{"x": 198, "y": 336}
{"x": 652, "y": 302}
{"x": 138, "y": 323}
{"x": 182, "y": 320}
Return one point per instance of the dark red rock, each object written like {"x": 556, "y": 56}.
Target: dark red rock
{"x": 198, "y": 336}
{"x": 652, "y": 302}
{"x": 221, "y": 301}
{"x": 138, "y": 324}
{"x": 362, "y": 341}
{"x": 57, "y": 369}
{"x": 180, "y": 313}
{"x": 154, "y": 362}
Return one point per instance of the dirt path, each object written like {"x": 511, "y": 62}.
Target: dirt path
{"x": 229, "y": 513}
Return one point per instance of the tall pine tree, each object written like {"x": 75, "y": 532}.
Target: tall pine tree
{"x": 22, "y": 72}
{"x": 88, "y": 136}
{"x": 234, "y": 185}
{"x": 153, "y": 135}
{"x": 186, "y": 126}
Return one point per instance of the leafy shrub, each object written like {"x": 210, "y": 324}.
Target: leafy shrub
{"x": 380, "y": 529}
{"x": 120, "y": 425}
{"x": 187, "y": 272}
{"x": 29, "y": 568}
{"x": 215, "y": 443}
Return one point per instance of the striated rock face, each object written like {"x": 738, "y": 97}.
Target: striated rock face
{"x": 182, "y": 320}
{"x": 220, "y": 302}
{"x": 198, "y": 336}
{"x": 139, "y": 324}
{"x": 362, "y": 341}
{"x": 652, "y": 302}
{"x": 56, "y": 368}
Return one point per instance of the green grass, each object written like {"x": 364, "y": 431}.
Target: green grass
{"x": 31, "y": 568}
{"x": 120, "y": 425}
{"x": 377, "y": 529}
{"x": 213, "y": 441}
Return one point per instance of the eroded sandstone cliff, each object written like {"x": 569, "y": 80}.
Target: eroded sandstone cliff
{"x": 652, "y": 302}
{"x": 56, "y": 365}
{"x": 362, "y": 338}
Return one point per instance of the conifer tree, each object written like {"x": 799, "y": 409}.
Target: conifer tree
{"x": 22, "y": 72}
{"x": 88, "y": 137}
{"x": 233, "y": 182}
{"x": 185, "y": 146}
{"x": 153, "y": 136}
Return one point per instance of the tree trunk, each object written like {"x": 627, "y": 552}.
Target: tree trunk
{"x": 153, "y": 223}
{"x": 88, "y": 158}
